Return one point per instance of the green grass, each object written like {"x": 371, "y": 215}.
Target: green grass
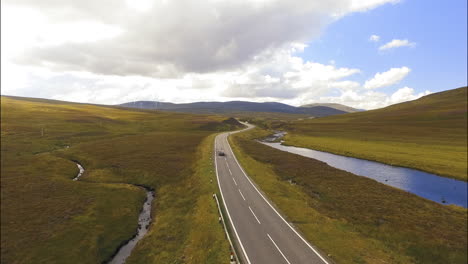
{"x": 428, "y": 134}
{"x": 48, "y": 218}
{"x": 191, "y": 233}
{"x": 353, "y": 219}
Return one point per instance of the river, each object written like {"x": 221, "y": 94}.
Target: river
{"x": 430, "y": 186}
{"x": 144, "y": 221}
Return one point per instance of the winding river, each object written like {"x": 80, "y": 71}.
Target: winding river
{"x": 430, "y": 186}
{"x": 144, "y": 220}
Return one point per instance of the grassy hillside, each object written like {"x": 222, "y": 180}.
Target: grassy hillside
{"x": 48, "y": 218}
{"x": 353, "y": 219}
{"x": 429, "y": 134}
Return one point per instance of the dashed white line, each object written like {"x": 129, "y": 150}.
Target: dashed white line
{"x": 242, "y": 195}
{"x": 254, "y": 215}
{"x": 278, "y": 249}
{"x": 243, "y": 172}
{"x": 227, "y": 164}
{"x": 234, "y": 181}
{"x": 227, "y": 209}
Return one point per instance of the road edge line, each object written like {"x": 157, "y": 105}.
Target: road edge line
{"x": 294, "y": 230}
{"x": 225, "y": 206}
{"x": 281, "y": 252}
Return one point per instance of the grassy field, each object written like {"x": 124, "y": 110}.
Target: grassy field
{"x": 353, "y": 219}
{"x": 48, "y": 218}
{"x": 428, "y": 134}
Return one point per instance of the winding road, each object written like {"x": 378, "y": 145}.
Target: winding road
{"x": 261, "y": 233}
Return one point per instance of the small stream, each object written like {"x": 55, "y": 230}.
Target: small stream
{"x": 430, "y": 186}
{"x": 144, "y": 220}
{"x": 79, "y": 173}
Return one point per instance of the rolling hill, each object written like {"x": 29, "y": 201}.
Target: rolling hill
{"x": 341, "y": 107}
{"x": 429, "y": 134}
{"x": 49, "y": 218}
{"x": 235, "y": 107}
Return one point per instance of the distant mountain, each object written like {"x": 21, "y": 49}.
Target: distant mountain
{"x": 234, "y": 107}
{"x": 341, "y": 107}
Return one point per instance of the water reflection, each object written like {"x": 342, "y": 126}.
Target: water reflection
{"x": 427, "y": 185}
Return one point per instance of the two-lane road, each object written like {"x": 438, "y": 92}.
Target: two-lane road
{"x": 262, "y": 234}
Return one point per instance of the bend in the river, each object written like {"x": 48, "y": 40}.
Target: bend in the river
{"x": 144, "y": 221}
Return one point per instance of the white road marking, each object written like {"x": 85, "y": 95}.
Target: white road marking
{"x": 278, "y": 249}
{"x": 294, "y": 230}
{"x": 229, "y": 215}
{"x": 254, "y": 215}
{"x": 234, "y": 181}
{"x": 230, "y": 171}
{"x": 241, "y": 194}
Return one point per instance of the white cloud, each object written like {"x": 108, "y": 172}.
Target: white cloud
{"x": 274, "y": 75}
{"x": 390, "y": 77}
{"x": 405, "y": 94}
{"x": 139, "y": 5}
{"x": 396, "y": 43}
{"x": 364, "y": 5}
{"x": 374, "y": 38}
{"x": 286, "y": 77}
{"x": 371, "y": 99}
{"x": 165, "y": 39}
{"x": 282, "y": 77}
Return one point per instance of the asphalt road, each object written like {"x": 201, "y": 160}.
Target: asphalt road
{"x": 262, "y": 234}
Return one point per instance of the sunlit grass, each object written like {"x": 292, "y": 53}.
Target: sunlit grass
{"x": 48, "y": 218}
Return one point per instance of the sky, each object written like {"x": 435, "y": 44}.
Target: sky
{"x": 362, "y": 53}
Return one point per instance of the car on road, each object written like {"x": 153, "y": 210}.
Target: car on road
{"x": 221, "y": 153}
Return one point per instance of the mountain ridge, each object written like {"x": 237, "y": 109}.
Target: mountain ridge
{"x": 234, "y": 106}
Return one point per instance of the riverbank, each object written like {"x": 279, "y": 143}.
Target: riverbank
{"x": 430, "y": 186}
{"x": 428, "y": 134}
{"x": 444, "y": 159}
{"x": 352, "y": 218}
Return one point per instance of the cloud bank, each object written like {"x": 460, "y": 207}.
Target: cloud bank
{"x": 117, "y": 51}
{"x": 372, "y": 99}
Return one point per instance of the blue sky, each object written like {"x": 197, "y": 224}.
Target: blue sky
{"x": 295, "y": 52}
{"x": 438, "y": 61}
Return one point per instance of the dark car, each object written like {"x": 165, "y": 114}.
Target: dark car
{"x": 221, "y": 153}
